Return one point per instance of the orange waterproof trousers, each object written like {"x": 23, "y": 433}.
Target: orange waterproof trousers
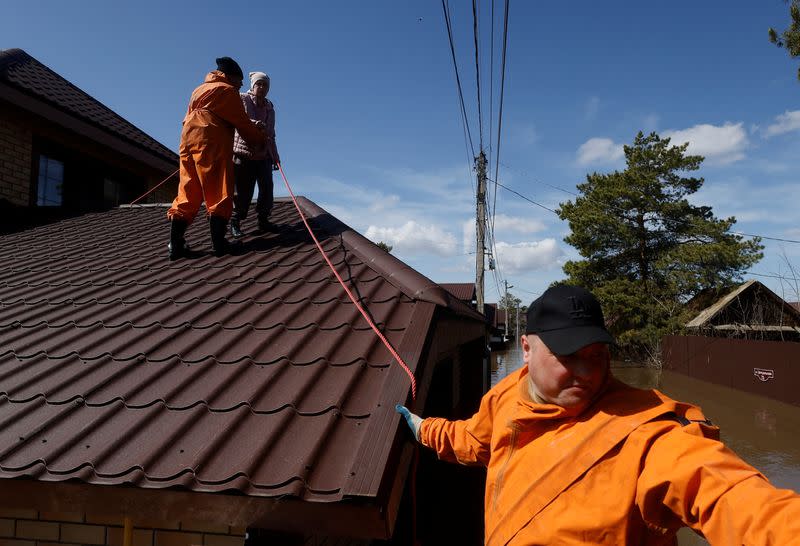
{"x": 206, "y": 152}
{"x": 206, "y": 174}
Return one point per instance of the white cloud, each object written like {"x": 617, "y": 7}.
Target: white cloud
{"x": 524, "y": 257}
{"x": 784, "y": 123}
{"x": 414, "y": 238}
{"x": 384, "y": 202}
{"x": 720, "y": 145}
{"x": 599, "y": 150}
{"x": 517, "y": 224}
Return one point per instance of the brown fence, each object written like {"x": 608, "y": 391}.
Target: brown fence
{"x": 768, "y": 368}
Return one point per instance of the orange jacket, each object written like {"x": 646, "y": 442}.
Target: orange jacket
{"x": 626, "y": 471}
{"x": 206, "y": 151}
{"x": 215, "y": 109}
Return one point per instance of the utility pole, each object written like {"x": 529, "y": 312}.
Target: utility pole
{"x": 480, "y": 229}
{"x": 517, "y": 323}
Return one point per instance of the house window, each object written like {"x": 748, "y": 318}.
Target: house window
{"x": 111, "y": 192}
{"x": 51, "y": 182}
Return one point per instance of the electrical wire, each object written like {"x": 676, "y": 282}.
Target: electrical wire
{"x": 477, "y": 70}
{"x": 675, "y": 222}
{"x": 502, "y": 93}
{"x": 446, "y": 10}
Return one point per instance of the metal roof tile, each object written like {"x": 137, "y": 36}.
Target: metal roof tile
{"x": 250, "y": 373}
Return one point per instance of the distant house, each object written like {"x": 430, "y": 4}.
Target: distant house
{"x": 496, "y": 319}
{"x": 181, "y": 403}
{"x": 63, "y": 153}
{"x": 747, "y": 340}
{"x": 465, "y": 291}
{"x": 751, "y": 311}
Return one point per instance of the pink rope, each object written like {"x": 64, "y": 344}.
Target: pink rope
{"x": 154, "y": 188}
{"x": 350, "y": 294}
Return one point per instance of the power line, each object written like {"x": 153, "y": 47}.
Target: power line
{"x": 675, "y": 222}
{"x": 477, "y": 70}
{"x": 500, "y": 113}
{"x": 528, "y": 199}
{"x": 765, "y": 237}
{"x": 502, "y": 94}
{"x": 773, "y": 276}
{"x": 446, "y": 10}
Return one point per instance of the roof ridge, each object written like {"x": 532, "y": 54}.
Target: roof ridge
{"x": 18, "y": 57}
{"x": 9, "y": 56}
{"x": 410, "y": 282}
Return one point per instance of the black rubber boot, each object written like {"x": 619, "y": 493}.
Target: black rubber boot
{"x": 177, "y": 244}
{"x": 220, "y": 245}
{"x": 236, "y": 229}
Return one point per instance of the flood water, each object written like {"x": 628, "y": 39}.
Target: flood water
{"x": 764, "y": 432}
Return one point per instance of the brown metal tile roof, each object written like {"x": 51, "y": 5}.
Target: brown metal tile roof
{"x": 250, "y": 374}
{"x": 465, "y": 291}
{"x": 24, "y": 73}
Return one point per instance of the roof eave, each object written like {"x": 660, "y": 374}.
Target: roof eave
{"x": 43, "y": 109}
{"x": 361, "y": 520}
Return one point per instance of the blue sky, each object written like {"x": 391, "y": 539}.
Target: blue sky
{"x": 369, "y": 126}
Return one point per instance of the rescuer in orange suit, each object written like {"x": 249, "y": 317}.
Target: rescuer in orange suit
{"x": 574, "y": 456}
{"x": 206, "y": 156}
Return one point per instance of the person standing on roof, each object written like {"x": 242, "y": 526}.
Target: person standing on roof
{"x": 206, "y": 165}
{"x": 254, "y": 164}
{"x": 575, "y": 456}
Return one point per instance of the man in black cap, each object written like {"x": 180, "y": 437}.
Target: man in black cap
{"x": 206, "y": 156}
{"x": 574, "y": 456}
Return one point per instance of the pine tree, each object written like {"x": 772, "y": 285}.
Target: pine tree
{"x": 789, "y": 38}
{"x": 646, "y": 250}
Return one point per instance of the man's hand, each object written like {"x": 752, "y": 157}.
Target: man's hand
{"x": 414, "y": 421}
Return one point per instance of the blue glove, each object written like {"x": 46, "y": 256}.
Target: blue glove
{"x": 413, "y": 420}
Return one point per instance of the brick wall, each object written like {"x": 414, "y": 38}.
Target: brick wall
{"x": 30, "y": 528}
{"x": 15, "y": 162}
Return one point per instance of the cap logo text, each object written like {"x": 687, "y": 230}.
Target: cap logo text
{"x": 578, "y": 309}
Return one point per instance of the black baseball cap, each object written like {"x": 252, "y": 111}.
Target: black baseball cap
{"x": 229, "y": 67}
{"x": 567, "y": 319}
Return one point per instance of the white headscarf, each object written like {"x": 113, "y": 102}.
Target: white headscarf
{"x": 258, "y": 76}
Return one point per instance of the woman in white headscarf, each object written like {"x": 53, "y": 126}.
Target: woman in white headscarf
{"x": 254, "y": 164}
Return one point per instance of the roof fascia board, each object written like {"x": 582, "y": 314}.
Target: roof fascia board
{"x": 284, "y": 514}
{"x": 59, "y": 117}
{"x": 369, "y": 465}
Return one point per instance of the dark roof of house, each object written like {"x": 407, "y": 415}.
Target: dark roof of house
{"x": 465, "y": 291}
{"x": 24, "y": 73}
{"x": 252, "y": 373}
{"x": 751, "y": 304}
{"x": 494, "y": 316}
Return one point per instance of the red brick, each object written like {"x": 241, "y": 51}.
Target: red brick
{"x": 202, "y": 527}
{"x": 104, "y": 519}
{"x": 18, "y": 514}
{"x": 222, "y": 540}
{"x": 6, "y": 527}
{"x": 83, "y": 534}
{"x": 12, "y": 542}
{"x": 157, "y": 524}
{"x": 141, "y": 537}
{"x": 39, "y": 530}
{"x": 174, "y": 538}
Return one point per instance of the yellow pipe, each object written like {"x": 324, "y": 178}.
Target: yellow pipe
{"x": 127, "y": 532}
